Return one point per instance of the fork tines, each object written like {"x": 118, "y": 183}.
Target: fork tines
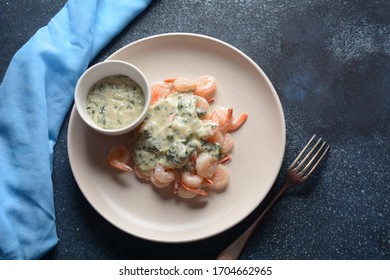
{"x": 305, "y": 169}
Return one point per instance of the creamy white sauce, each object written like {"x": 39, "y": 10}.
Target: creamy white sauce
{"x": 173, "y": 131}
{"x": 115, "y": 102}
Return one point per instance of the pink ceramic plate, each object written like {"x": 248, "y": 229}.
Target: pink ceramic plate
{"x": 154, "y": 214}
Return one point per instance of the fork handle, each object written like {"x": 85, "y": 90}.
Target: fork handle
{"x": 234, "y": 250}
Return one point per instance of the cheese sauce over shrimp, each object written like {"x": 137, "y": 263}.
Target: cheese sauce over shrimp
{"x": 184, "y": 140}
{"x": 172, "y": 132}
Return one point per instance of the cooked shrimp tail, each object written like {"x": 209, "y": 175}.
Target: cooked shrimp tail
{"x": 196, "y": 191}
{"x": 236, "y": 124}
{"x": 210, "y": 100}
{"x": 169, "y": 80}
{"x": 230, "y": 124}
{"x": 225, "y": 159}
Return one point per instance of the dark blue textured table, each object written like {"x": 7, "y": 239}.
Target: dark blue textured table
{"x": 330, "y": 64}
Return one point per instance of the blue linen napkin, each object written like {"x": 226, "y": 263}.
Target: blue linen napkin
{"x": 35, "y": 96}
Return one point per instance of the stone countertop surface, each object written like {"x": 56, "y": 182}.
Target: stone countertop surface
{"x": 329, "y": 62}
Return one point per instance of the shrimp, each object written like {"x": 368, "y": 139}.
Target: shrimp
{"x": 182, "y": 84}
{"x": 162, "y": 178}
{"x": 156, "y": 182}
{"x": 221, "y": 113}
{"x": 163, "y": 175}
{"x": 236, "y": 124}
{"x": 202, "y": 103}
{"x": 141, "y": 175}
{"x": 220, "y": 179}
{"x": 206, "y": 165}
{"x": 225, "y": 140}
{"x": 191, "y": 180}
{"x": 184, "y": 193}
{"x": 229, "y": 123}
{"x": 119, "y": 157}
{"x": 205, "y": 86}
{"x": 210, "y": 122}
{"x": 160, "y": 91}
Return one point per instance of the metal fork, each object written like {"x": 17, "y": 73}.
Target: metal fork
{"x": 296, "y": 174}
